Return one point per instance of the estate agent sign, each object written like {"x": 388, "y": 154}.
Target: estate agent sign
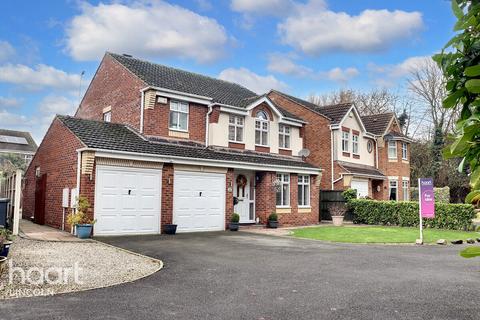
{"x": 426, "y": 199}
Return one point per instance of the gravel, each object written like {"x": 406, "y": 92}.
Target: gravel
{"x": 99, "y": 265}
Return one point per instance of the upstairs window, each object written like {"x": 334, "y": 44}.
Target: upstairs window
{"x": 355, "y": 143}
{"x": 303, "y": 190}
{"x": 178, "y": 115}
{"x": 404, "y": 151}
{"x": 392, "y": 149}
{"x": 284, "y": 136}
{"x": 107, "y": 116}
{"x": 261, "y": 128}
{"x": 283, "y": 190}
{"x": 235, "y": 128}
{"x": 345, "y": 138}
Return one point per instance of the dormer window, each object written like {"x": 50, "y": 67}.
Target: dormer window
{"x": 178, "y": 115}
{"x": 107, "y": 116}
{"x": 261, "y": 128}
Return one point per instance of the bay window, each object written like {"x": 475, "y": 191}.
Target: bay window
{"x": 235, "y": 128}
{"x": 178, "y": 115}
{"x": 284, "y": 136}
{"x": 283, "y": 189}
{"x": 303, "y": 190}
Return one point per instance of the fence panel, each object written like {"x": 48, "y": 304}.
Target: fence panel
{"x": 331, "y": 196}
{"x": 11, "y": 188}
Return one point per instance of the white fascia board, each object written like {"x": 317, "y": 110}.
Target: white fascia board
{"x": 267, "y": 101}
{"x": 183, "y": 96}
{"x": 199, "y": 162}
{"x": 361, "y": 175}
{"x": 234, "y": 111}
{"x": 291, "y": 122}
{"x": 357, "y": 115}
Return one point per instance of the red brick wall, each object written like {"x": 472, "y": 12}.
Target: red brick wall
{"x": 156, "y": 121}
{"x": 113, "y": 85}
{"x": 167, "y": 194}
{"x": 264, "y": 195}
{"x": 317, "y": 136}
{"x": 229, "y": 197}
{"x": 57, "y": 157}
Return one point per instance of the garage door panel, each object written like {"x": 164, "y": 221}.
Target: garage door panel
{"x": 123, "y": 204}
{"x": 199, "y": 200}
{"x": 361, "y": 186}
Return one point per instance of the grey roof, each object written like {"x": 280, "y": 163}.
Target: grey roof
{"x": 31, "y": 147}
{"x": 360, "y": 169}
{"x": 119, "y": 137}
{"x": 161, "y": 76}
{"x": 334, "y": 112}
{"x": 377, "y": 123}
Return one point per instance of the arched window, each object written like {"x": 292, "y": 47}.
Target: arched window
{"x": 261, "y": 128}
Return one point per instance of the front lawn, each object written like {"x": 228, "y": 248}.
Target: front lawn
{"x": 379, "y": 234}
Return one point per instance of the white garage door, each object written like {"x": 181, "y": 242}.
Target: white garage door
{"x": 361, "y": 186}
{"x": 127, "y": 201}
{"x": 199, "y": 201}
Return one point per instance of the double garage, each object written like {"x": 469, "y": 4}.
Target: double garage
{"x": 129, "y": 200}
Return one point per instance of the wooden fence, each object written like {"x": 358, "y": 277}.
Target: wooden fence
{"x": 328, "y": 197}
{"x": 11, "y": 188}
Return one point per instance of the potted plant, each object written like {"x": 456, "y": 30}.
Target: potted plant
{"x": 6, "y": 241}
{"x": 234, "y": 222}
{"x": 83, "y": 224}
{"x": 272, "y": 220}
{"x": 3, "y": 263}
{"x": 337, "y": 211}
{"x": 170, "y": 228}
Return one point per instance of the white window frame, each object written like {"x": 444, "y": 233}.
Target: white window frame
{"x": 238, "y": 123}
{"x": 404, "y": 151}
{"x": 284, "y": 133}
{"x": 345, "y": 140}
{"x": 304, "y": 184}
{"x": 405, "y": 188}
{"x": 355, "y": 143}
{"x": 395, "y": 181}
{"x": 392, "y": 146}
{"x": 283, "y": 179}
{"x": 179, "y": 112}
{"x": 261, "y": 126}
{"x": 107, "y": 116}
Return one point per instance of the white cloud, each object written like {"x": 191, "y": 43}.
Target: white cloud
{"x": 251, "y": 80}
{"x": 285, "y": 64}
{"x": 53, "y": 104}
{"x": 144, "y": 28}
{"x": 263, "y": 7}
{"x": 6, "y": 51}
{"x": 388, "y": 75}
{"x": 313, "y": 29}
{"x": 42, "y": 76}
{"x": 9, "y": 102}
{"x": 204, "y": 5}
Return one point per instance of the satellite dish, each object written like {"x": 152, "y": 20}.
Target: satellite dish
{"x": 304, "y": 153}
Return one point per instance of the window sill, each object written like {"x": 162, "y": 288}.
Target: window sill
{"x": 237, "y": 142}
{"x": 178, "y": 130}
{"x": 392, "y": 160}
{"x": 280, "y": 210}
{"x": 304, "y": 209}
{"x": 286, "y": 149}
{"x": 263, "y": 146}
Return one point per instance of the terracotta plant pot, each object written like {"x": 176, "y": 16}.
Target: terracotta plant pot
{"x": 337, "y": 221}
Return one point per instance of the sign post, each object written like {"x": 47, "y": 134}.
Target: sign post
{"x": 426, "y": 198}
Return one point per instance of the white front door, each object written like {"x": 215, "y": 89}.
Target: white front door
{"x": 361, "y": 186}
{"x": 127, "y": 201}
{"x": 199, "y": 201}
{"x": 243, "y": 190}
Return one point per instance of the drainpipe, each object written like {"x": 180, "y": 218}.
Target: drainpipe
{"x": 142, "y": 107}
{"x": 376, "y": 153}
{"x": 79, "y": 166}
{"x": 332, "y": 142}
{"x": 210, "y": 110}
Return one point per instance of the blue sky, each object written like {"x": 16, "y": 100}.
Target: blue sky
{"x": 299, "y": 46}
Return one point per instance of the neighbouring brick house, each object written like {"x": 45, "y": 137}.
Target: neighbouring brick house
{"x": 366, "y": 153}
{"x": 152, "y": 145}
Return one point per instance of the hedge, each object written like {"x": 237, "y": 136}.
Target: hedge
{"x": 441, "y": 194}
{"x": 405, "y": 214}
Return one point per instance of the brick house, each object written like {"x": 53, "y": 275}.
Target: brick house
{"x": 19, "y": 143}
{"x": 152, "y": 145}
{"x": 366, "y": 153}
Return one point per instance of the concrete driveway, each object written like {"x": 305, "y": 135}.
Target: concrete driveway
{"x": 246, "y": 276}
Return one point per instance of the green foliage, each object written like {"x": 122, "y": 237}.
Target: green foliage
{"x": 81, "y": 214}
{"x": 405, "y": 214}
{"x": 442, "y": 195}
{"x": 235, "y": 218}
{"x": 10, "y": 162}
{"x": 349, "y": 194}
{"x": 470, "y": 252}
{"x": 273, "y": 217}
{"x": 459, "y": 61}
{"x": 5, "y": 234}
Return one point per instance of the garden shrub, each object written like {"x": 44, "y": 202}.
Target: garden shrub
{"x": 349, "y": 194}
{"x": 441, "y": 194}
{"x": 405, "y": 214}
